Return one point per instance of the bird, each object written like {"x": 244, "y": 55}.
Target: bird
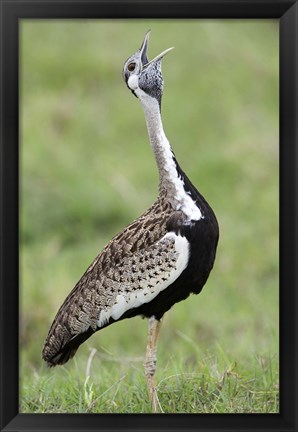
{"x": 155, "y": 262}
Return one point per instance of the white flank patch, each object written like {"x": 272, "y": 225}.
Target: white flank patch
{"x": 128, "y": 300}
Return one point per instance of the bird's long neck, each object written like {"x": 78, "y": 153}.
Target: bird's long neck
{"x": 172, "y": 179}
{"x": 165, "y": 159}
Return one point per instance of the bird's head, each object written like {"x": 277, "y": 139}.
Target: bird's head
{"x": 144, "y": 77}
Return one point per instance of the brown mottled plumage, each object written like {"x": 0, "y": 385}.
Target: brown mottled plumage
{"x": 131, "y": 257}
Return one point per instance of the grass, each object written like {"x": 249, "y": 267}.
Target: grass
{"x": 87, "y": 170}
{"x": 116, "y": 385}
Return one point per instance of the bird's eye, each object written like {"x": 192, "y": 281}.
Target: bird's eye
{"x": 131, "y": 67}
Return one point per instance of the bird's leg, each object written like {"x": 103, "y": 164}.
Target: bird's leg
{"x": 150, "y": 361}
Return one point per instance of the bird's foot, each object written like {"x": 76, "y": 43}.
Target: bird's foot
{"x": 155, "y": 403}
{"x": 150, "y": 363}
{"x": 153, "y": 396}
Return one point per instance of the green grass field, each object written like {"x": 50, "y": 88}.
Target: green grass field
{"x": 87, "y": 170}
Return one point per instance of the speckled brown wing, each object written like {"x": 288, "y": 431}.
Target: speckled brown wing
{"x": 128, "y": 270}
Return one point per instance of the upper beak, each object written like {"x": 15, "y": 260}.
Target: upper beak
{"x": 143, "y": 51}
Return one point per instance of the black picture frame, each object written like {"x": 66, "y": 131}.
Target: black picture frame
{"x": 11, "y": 14}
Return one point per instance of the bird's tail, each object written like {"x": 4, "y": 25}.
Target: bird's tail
{"x": 71, "y": 327}
{"x": 57, "y": 351}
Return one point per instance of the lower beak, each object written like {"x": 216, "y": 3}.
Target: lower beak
{"x": 160, "y": 56}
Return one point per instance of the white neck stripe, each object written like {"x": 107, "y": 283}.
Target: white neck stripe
{"x": 163, "y": 153}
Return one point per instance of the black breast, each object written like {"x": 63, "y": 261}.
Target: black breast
{"x": 203, "y": 238}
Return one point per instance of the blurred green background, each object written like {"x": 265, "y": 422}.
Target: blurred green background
{"x": 87, "y": 170}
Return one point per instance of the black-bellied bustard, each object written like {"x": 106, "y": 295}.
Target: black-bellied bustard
{"x": 157, "y": 260}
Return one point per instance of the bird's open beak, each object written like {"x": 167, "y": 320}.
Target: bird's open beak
{"x": 143, "y": 52}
